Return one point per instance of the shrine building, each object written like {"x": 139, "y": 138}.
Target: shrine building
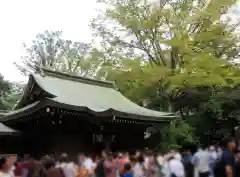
{"x": 59, "y": 112}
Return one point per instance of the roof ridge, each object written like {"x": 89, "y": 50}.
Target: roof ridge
{"x": 71, "y": 77}
{"x": 4, "y": 111}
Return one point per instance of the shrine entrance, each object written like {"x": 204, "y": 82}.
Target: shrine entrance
{"x": 120, "y": 137}
{"x": 51, "y": 133}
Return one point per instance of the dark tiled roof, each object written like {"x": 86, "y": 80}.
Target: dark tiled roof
{"x": 98, "y": 97}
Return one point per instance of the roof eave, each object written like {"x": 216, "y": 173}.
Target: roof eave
{"x": 30, "y": 109}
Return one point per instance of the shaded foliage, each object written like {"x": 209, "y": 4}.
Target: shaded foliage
{"x": 12, "y": 96}
{"x": 177, "y": 57}
{"x": 5, "y": 87}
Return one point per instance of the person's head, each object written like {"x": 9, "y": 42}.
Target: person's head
{"x": 44, "y": 158}
{"x": 211, "y": 148}
{"x": 229, "y": 143}
{"x": 202, "y": 147}
{"x": 104, "y": 153}
{"x": 11, "y": 160}
{"x": 120, "y": 155}
{"x": 199, "y": 147}
{"x": 133, "y": 160}
{"x": 127, "y": 167}
{"x": 172, "y": 151}
{"x": 96, "y": 158}
{"x": 110, "y": 155}
{"x": 63, "y": 158}
{"x": 27, "y": 157}
{"x": 238, "y": 156}
{"x": 185, "y": 152}
{"x": 171, "y": 157}
{"x": 81, "y": 155}
{"x": 80, "y": 158}
{"x": 141, "y": 159}
{"x": 138, "y": 153}
{"x": 126, "y": 154}
{"x": 176, "y": 150}
{"x": 115, "y": 155}
{"x": 4, "y": 166}
{"x": 189, "y": 152}
{"x": 49, "y": 163}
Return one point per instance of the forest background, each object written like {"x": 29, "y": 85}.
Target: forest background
{"x": 177, "y": 56}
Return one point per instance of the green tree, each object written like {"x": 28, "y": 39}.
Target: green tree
{"x": 182, "y": 54}
{"x": 5, "y": 86}
{"x": 165, "y": 35}
{"x": 45, "y": 50}
{"x": 52, "y": 51}
{"x": 12, "y": 96}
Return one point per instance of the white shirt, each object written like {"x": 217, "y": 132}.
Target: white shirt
{"x": 160, "y": 160}
{"x": 175, "y": 167}
{"x": 88, "y": 164}
{"x": 4, "y": 174}
{"x": 146, "y": 162}
{"x": 69, "y": 169}
{"x": 178, "y": 156}
{"x": 137, "y": 170}
{"x": 11, "y": 171}
{"x": 202, "y": 159}
{"x": 214, "y": 155}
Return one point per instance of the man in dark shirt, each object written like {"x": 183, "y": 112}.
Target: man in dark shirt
{"x": 99, "y": 171}
{"x": 226, "y": 165}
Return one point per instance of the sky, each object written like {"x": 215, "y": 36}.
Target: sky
{"x": 22, "y": 20}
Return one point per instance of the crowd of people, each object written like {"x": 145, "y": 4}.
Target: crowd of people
{"x": 206, "y": 162}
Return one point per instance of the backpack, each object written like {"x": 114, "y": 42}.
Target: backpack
{"x": 99, "y": 171}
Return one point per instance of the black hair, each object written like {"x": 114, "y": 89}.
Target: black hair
{"x": 115, "y": 155}
{"x": 109, "y": 153}
{"x": 133, "y": 159}
{"x": 63, "y": 158}
{"x": 170, "y": 158}
{"x": 127, "y": 167}
{"x": 226, "y": 141}
{"x": 49, "y": 163}
{"x": 141, "y": 159}
{"x": 27, "y": 157}
{"x": 2, "y": 162}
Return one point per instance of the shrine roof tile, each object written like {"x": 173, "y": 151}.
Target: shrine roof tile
{"x": 98, "y": 97}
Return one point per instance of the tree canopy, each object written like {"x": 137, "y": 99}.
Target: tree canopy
{"x": 5, "y": 87}
{"x": 177, "y": 56}
{"x": 182, "y": 58}
{"x": 50, "y": 50}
